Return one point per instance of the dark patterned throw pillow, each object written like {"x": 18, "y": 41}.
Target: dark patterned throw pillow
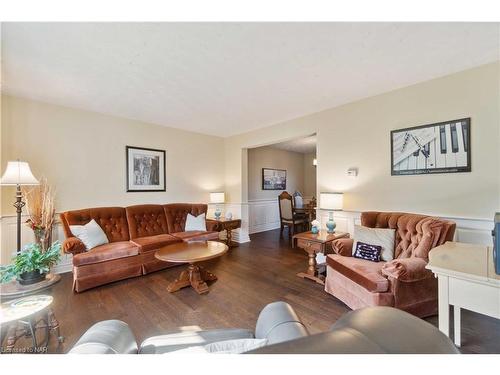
{"x": 367, "y": 251}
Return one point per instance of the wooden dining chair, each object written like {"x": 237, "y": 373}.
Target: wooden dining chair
{"x": 288, "y": 217}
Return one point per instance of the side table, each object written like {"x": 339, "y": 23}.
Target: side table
{"x": 229, "y": 226}
{"x": 15, "y": 290}
{"x": 467, "y": 280}
{"x": 312, "y": 244}
{"x": 24, "y": 316}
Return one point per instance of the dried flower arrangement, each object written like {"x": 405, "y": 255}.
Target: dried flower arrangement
{"x": 41, "y": 210}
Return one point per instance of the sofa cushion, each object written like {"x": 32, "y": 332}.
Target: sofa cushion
{"x": 364, "y": 273}
{"x": 103, "y": 253}
{"x": 197, "y": 235}
{"x": 154, "y": 242}
{"x": 176, "y": 214}
{"x": 185, "y": 338}
{"x": 146, "y": 220}
{"x": 112, "y": 220}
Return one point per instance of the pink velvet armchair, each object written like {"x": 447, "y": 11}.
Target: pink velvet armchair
{"x": 404, "y": 282}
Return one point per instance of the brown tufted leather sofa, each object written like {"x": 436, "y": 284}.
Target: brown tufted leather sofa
{"x": 134, "y": 234}
{"x": 404, "y": 282}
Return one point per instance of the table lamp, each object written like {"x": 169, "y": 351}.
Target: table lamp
{"x": 331, "y": 202}
{"x": 18, "y": 173}
{"x": 217, "y": 198}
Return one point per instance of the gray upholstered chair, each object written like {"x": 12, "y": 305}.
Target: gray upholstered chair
{"x": 372, "y": 330}
{"x": 277, "y": 322}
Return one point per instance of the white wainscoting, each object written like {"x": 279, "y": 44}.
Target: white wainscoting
{"x": 469, "y": 230}
{"x": 8, "y": 227}
{"x": 264, "y": 215}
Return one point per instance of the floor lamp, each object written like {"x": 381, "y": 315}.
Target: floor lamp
{"x": 18, "y": 173}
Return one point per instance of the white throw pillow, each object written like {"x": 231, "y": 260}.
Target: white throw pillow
{"x": 196, "y": 223}
{"x": 384, "y": 237}
{"x": 91, "y": 234}
{"x": 235, "y": 346}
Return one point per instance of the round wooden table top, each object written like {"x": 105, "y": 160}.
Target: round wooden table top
{"x": 191, "y": 252}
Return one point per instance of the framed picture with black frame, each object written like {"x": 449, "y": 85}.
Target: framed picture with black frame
{"x": 443, "y": 147}
{"x": 273, "y": 179}
{"x": 145, "y": 169}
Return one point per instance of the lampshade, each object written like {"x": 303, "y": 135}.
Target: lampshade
{"x": 331, "y": 201}
{"x": 18, "y": 173}
{"x": 217, "y": 197}
{"x": 315, "y": 162}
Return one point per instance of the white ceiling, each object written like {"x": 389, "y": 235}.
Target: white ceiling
{"x": 304, "y": 145}
{"x": 229, "y": 78}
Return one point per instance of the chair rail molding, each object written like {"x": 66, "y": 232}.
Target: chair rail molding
{"x": 263, "y": 215}
{"x": 469, "y": 230}
{"x": 8, "y": 225}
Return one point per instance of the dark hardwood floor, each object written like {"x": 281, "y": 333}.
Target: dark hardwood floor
{"x": 250, "y": 276}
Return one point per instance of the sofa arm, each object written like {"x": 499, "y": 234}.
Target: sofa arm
{"x": 73, "y": 245}
{"x": 278, "y": 322}
{"x": 407, "y": 269}
{"x": 213, "y": 225}
{"x": 343, "y": 246}
{"x": 107, "y": 337}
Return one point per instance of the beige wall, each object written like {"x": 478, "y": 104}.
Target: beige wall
{"x": 267, "y": 157}
{"x": 357, "y": 135}
{"x": 82, "y": 154}
{"x": 309, "y": 175}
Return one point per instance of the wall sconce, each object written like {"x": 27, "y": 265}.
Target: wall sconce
{"x": 315, "y": 162}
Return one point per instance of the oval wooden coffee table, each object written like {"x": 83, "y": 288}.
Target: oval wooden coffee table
{"x": 192, "y": 252}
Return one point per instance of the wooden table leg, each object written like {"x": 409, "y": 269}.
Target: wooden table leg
{"x": 229, "y": 237}
{"x": 197, "y": 282}
{"x": 312, "y": 269}
{"x": 196, "y": 277}
{"x": 181, "y": 282}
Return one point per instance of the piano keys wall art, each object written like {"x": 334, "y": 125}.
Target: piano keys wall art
{"x": 442, "y": 147}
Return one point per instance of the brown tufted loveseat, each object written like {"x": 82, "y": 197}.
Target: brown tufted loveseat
{"x": 134, "y": 234}
{"x": 404, "y": 282}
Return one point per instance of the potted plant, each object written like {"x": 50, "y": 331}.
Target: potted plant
{"x": 31, "y": 264}
{"x": 40, "y": 207}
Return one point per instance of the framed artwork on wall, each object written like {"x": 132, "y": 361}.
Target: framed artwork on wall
{"x": 145, "y": 169}
{"x": 442, "y": 147}
{"x": 273, "y": 179}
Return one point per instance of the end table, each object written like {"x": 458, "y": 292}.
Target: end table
{"x": 229, "y": 226}
{"x": 312, "y": 244}
{"x": 22, "y": 317}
